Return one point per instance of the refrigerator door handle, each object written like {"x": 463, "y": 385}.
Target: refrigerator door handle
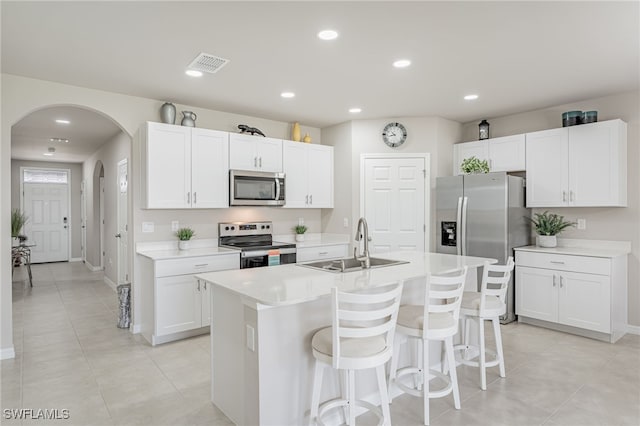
{"x": 459, "y": 227}
{"x": 463, "y": 244}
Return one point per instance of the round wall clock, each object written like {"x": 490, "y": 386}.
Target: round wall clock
{"x": 394, "y": 134}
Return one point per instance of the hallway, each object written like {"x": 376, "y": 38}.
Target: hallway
{"x": 70, "y": 355}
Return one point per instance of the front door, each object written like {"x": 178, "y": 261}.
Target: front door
{"x": 47, "y": 207}
{"x": 394, "y": 203}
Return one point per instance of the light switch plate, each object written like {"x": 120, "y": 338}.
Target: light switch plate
{"x": 301, "y": 221}
{"x": 148, "y": 227}
{"x": 345, "y": 222}
{"x": 175, "y": 225}
{"x": 582, "y": 223}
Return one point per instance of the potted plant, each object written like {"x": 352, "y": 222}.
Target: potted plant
{"x": 18, "y": 220}
{"x": 474, "y": 165}
{"x": 184, "y": 235}
{"x": 300, "y": 230}
{"x": 548, "y": 225}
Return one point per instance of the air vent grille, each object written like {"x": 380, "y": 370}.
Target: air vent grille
{"x": 208, "y": 63}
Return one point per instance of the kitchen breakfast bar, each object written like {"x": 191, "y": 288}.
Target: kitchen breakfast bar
{"x": 262, "y": 321}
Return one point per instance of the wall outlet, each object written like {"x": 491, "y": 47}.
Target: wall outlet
{"x": 345, "y": 222}
{"x": 301, "y": 221}
{"x": 148, "y": 227}
{"x": 175, "y": 225}
{"x": 582, "y": 223}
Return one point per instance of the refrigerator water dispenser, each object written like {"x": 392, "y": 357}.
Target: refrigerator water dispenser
{"x": 448, "y": 234}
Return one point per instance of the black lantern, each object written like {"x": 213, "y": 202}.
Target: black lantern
{"x": 484, "y": 129}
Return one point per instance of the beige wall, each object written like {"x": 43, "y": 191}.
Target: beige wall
{"x": 76, "y": 179}
{"x": 431, "y": 135}
{"x": 21, "y": 96}
{"x": 602, "y": 223}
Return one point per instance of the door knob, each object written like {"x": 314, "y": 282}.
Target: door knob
{"x": 118, "y": 235}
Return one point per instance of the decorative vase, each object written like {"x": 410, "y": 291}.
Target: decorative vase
{"x": 547, "y": 241}
{"x": 184, "y": 244}
{"x": 189, "y": 119}
{"x": 299, "y": 237}
{"x": 295, "y": 132}
{"x": 168, "y": 113}
{"x": 307, "y": 138}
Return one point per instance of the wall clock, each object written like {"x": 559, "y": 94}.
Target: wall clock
{"x": 394, "y": 134}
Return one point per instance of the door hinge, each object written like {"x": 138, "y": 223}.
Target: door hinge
{"x": 126, "y": 277}
{"x": 424, "y": 173}
{"x": 424, "y": 228}
{"x": 126, "y": 227}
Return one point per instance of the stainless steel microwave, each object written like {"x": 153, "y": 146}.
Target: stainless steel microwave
{"x": 247, "y": 188}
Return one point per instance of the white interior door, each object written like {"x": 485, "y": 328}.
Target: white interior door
{"x": 47, "y": 207}
{"x": 394, "y": 203}
{"x": 122, "y": 236}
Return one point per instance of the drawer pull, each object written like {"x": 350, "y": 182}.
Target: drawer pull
{"x": 557, "y": 262}
{"x": 323, "y": 253}
{"x": 202, "y": 265}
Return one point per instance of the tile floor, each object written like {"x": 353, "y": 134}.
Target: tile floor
{"x": 71, "y": 355}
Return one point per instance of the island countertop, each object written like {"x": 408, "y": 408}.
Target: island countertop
{"x": 293, "y": 284}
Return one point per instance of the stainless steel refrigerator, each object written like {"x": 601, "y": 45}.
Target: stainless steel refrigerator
{"x": 483, "y": 215}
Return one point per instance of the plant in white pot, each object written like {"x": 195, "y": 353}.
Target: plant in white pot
{"x": 18, "y": 220}
{"x": 184, "y": 235}
{"x": 300, "y": 230}
{"x": 547, "y": 226}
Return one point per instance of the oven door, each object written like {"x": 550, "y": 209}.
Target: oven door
{"x": 259, "y": 258}
{"x": 256, "y": 188}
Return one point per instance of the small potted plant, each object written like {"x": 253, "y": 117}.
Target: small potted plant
{"x": 474, "y": 165}
{"x": 300, "y": 230}
{"x": 184, "y": 235}
{"x": 548, "y": 225}
{"x": 18, "y": 220}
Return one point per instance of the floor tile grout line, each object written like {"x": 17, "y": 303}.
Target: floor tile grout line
{"x": 562, "y": 405}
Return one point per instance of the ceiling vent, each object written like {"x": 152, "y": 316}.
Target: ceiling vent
{"x": 208, "y": 63}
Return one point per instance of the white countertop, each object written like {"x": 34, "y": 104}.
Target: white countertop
{"x": 593, "y": 248}
{"x": 291, "y": 284}
{"x": 169, "y": 249}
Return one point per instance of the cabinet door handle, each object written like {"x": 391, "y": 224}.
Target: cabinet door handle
{"x": 201, "y": 265}
{"x": 564, "y": 195}
{"x": 323, "y": 253}
{"x": 306, "y": 199}
{"x": 554, "y": 280}
{"x": 205, "y": 285}
{"x": 557, "y": 262}
{"x": 560, "y": 281}
{"x": 255, "y": 161}
{"x": 260, "y": 162}
{"x": 198, "y": 285}
{"x": 195, "y": 194}
{"x": 311, "y": 199}
{"x": 571, "y": 196}
{"x": 188, "y": 198}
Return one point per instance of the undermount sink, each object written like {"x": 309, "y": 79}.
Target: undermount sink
{"x": 350, "y": 264}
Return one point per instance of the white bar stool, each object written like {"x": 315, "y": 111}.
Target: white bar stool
{"x": 487, "y": 305}
{"x": 361, "y": 337}
{"x": 437, "y": 319}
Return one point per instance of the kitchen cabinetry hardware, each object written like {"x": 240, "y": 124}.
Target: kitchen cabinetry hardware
{"x": 557, "y": 262}
{"x": 260, "y": 161}
{"x": 561, "y": 281}
{"x": 564, "y": 196}
{"x": 571, "y": 196}
{"x": 554, "y": 280}
{"x": 195, "y": 199}
{"x": 310, "y": 198}
{"x": 255, "y": 162}
{"x": 323, "y": 253}
{"x": 306, "y": 199}
{"x": 202, "y": 265}
{"x": 198, "y": 284}
{"x": 188, "y": 198}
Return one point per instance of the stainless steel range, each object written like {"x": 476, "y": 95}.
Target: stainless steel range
{"x": 255, "y": 242}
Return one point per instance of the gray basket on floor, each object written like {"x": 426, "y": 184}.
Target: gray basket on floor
{"x": 124, "y": 310}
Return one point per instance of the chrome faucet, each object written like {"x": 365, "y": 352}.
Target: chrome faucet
{"x": 364, "y": 257}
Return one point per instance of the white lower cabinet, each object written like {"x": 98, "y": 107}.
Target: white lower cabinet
{"x": 326, "y": 252}
{"x": 581, "y": 292}
{"x": 175, "y": 304}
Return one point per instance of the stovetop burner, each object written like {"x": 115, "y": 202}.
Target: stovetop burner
{"x": 247, "y": 236}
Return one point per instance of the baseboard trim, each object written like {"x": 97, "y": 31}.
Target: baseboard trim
{"x": 92, "y": 268}
{"x": 633, "y": 329}
{"x": 110, "y": 283}
{"x": 7, "y": 353}
{"x": 75, "y": 259}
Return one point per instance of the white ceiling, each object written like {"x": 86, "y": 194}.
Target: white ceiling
{"x": 516, "y": 56}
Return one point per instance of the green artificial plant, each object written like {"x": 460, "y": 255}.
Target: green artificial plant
{"x": 300, "y": 229}
{"x": 18, "y": 219}
{"x": 474, "y": 165}
{"x": 549, "y": 223}
{"x": 185, "y": 234}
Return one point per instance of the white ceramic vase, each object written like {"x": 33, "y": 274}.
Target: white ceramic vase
{"x": 547, "y": 241}
{"x": 299, "y": 237}
{"x": 184, "y": 245}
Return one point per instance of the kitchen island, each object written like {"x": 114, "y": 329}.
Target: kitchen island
{"x": 262, "y": 321}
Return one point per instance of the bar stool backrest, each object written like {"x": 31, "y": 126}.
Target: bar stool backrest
{"x": 495, "y": 282}
{"x": 443, "y": 295}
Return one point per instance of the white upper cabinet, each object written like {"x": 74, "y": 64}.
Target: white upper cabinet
{"x": 256, "y": 153}
{"x": 503, "y": 154}
{"x": 183, "y": 167}
{"x": 309, "y": 175}
{"x": 578, "y": 166}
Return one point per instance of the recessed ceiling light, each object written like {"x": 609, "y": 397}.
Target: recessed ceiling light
{"x": 59, "y": 140}
{"x": 355, "y": 110}
{"x": 287, "y": 94}
{"x": 328, "y": 35}
{"x": 402, "y": 63}
{"x": 470, "y": 97}
{"x": 193, "y": 73}
{"x": 61, "y": 121}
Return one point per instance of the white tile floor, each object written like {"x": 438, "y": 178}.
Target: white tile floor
{"x": 71, "y": 355}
